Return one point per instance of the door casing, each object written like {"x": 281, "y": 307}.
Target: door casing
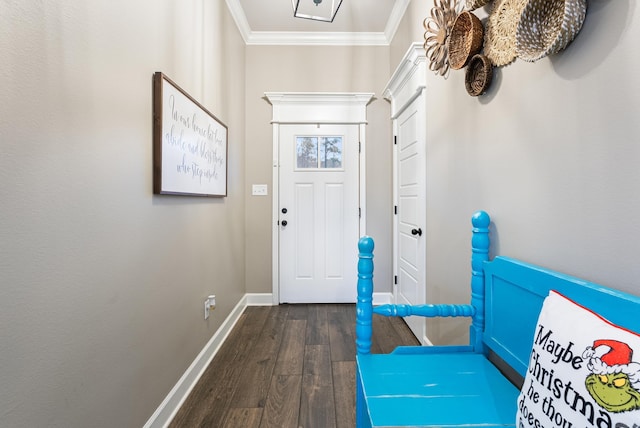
{"x": 410, "y": 239}
{"x": 406, "y": 87}
{"x": 314, "y": 108}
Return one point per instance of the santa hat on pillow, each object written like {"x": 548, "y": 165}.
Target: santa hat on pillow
{"x": 611, "y": 356}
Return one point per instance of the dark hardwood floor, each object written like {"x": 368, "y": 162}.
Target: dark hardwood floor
{"x": 286, "y": 366}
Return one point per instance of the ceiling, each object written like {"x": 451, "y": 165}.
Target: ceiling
{"x": 358, "y": 22}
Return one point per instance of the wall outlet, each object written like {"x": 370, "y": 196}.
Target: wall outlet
{"x": 209, "y": 305}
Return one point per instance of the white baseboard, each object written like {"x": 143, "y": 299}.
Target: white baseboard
{"x": 382, "y": 298}
{"x": 260, "y": 299}
{"x": 171, "y": 404}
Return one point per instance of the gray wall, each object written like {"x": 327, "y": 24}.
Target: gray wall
{"x": 316, "y": 69}
{"x": 102, "y": 284}
{"x": 551, "y": 152}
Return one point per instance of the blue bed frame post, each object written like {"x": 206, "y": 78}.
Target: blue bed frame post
{"x": 364, "y": 315}
{"x": 479, "y": 254}
{"x": 364, "y": 304}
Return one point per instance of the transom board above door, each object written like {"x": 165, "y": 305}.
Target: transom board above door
{"x": 319, "y": 147}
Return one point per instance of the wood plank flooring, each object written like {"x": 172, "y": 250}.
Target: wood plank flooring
{"x": 286, "y": 366}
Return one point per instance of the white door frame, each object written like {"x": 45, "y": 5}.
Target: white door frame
{"x": 314, "y": 108}
{"x": 406, "y": 85}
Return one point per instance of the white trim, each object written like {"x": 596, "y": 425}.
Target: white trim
{"x": 407, "y": 81}
{"x": 259, "y": 299}
{"x": 240, "y": 18}
{"x": 329, "y": 38}
{"x": 419, "y": 91}
{"x": 319, "y": 107}
{"x": 398, "y": 11}
{"x": 396, "y": 203}
{"x": 382, "y": 298}
{"x": 275, "y": 241}
{"x": 307, "y": 38}
{"x": 357, "y": 98}
{"x": 362, "y": 168}
{"x": 179, "y": 393}
{"x": 314, "y": 107}
{"x": 405, "y": 86}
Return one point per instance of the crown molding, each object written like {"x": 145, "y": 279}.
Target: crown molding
{"x": 299, "y": 38}
{"x": 398, "y": 11}
{"x": 238, "y": 15}
{"x": 302, "y": 38}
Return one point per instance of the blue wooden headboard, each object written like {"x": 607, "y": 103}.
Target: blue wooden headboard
{"x": 514, "y": 292}
{"x": 429, "y": 385}
{"x": 506, "y": 298}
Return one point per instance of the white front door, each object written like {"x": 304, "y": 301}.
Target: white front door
{"x": 411, "y": 217}
{"x": 318, "y": 213}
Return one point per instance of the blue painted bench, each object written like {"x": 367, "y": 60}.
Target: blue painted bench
{"x": 474, "y": 385}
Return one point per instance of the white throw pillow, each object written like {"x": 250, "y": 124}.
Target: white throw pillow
{"x": 583, "y": 371}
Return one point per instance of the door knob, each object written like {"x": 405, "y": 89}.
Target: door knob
{"x": 284, "y": 211}
{"x": 283, "y": 222}
{"x": 417, "y": 231}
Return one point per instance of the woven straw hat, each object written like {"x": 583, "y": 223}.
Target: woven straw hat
{"x": 548, "y": 26}
{"x": 500, "y": 31}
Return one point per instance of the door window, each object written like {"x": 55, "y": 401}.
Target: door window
{"x": 314, "y": 152}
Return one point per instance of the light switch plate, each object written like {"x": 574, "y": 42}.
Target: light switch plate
{"x": 259, "y": 190}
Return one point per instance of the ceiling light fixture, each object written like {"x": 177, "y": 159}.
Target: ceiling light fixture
{"x": 317, "y": 10}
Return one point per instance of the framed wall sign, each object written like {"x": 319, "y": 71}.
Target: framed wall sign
{"x": 189, "y": 144}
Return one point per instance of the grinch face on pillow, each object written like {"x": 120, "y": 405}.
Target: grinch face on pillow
{"x": 615, "y": 380}
{"x": 613, "y": 392}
